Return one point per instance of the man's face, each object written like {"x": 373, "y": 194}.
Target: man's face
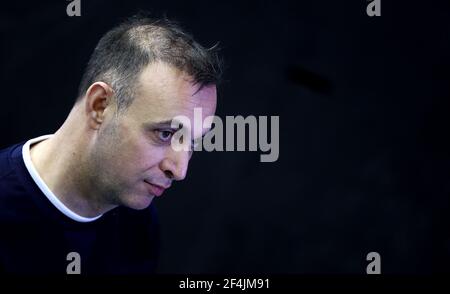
{"x": 132, "y": 154}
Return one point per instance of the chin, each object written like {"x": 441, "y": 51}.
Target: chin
{"x": 138, "y": 202}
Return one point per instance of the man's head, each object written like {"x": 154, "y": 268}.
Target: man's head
{"x": 141, "y": 75}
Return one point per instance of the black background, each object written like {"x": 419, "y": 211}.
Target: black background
{"x": 363, "y": 105}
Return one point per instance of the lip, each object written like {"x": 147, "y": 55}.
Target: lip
{"x": 155, "y": 189}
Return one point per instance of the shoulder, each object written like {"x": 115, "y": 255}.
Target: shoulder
{"x": 8, "y": 162}
{"x": 9, "y": 158}
{"x": 14, "y": 196}
{"x": 5, "y": 163}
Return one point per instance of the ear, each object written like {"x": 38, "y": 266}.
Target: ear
{"x": 98, "y": 98}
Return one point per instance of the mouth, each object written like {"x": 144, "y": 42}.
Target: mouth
{"x": 154, "y": 189}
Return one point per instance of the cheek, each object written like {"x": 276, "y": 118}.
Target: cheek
{"x": 151, "y": 157}
{"x": 137, "y": 152}
{"x": 142, "y": 155}
{"x": 130, "y": 148}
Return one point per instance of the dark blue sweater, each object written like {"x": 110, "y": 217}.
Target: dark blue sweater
{"x": 35, "y": 237}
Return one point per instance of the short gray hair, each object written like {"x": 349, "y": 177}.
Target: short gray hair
{"x": 124, "y": 51}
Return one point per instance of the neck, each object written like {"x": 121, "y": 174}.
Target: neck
{"x": 61, "y": 163}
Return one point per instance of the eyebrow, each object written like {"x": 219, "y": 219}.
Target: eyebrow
{"x": 167, "y": 124}
{"x": 163, "y": 124}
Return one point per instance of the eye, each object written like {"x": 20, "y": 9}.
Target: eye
{"x": 165, "y": 135}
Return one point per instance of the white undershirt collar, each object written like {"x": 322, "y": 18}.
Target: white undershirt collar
{"x": 44, "y": 188}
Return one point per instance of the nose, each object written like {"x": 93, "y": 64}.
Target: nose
{"x": 175, "y": 164}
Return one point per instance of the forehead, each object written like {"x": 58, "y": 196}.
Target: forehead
{"x": 163, "y": 92}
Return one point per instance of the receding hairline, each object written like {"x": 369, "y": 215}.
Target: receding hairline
{"x": 138, "y": 83}
{"x": 174, "y": 71}
{"x": 126, "y": 51}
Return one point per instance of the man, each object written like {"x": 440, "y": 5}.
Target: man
{"x": 79, "y": 201}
